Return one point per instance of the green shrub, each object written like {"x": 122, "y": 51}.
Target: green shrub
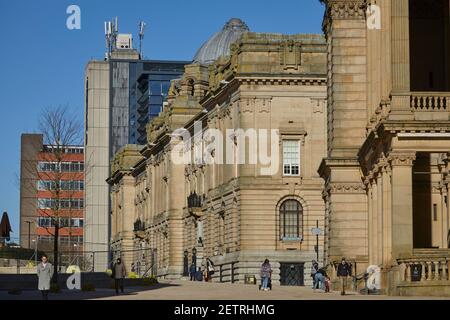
{"x": 149, "y": 281}
{"x": 132, "y": 275}
{"x": 87, "y": 287}
{"x": 109, "y": 272}
{"x": 55, "y": 288}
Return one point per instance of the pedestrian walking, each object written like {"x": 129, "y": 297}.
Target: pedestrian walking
{"x": 119, "y": 273}
{"x": 266, "y": 275}
{"x": 45, "y": 274}
{"x": 344, "y": 270}
{"x": 192, "y": 272}
{"x": 314, "y": 269}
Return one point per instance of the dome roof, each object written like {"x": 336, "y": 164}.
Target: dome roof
{"x": 219, "y": 44}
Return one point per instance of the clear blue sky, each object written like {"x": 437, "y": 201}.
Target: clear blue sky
{"x": 42, "y": 62}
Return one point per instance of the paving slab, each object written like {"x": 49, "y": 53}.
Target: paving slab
{"x": 187, "y": 290}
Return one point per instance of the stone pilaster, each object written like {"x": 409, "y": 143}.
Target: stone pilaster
{"x": 347, "y": 217}
{"x": 402, "y": 203}
{"x": 346, "y": 31}
{"x": 400, "y": 61}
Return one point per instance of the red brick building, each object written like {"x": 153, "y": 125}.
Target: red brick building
{"x": 51, "y": 190}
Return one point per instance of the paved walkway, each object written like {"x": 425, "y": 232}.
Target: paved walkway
{"x": 185, "y": 290}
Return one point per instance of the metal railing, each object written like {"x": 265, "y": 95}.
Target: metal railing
{"x": 25, "y": 260}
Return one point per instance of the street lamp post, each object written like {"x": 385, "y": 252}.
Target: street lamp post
{"x": 316, "y": 232}
{"x": 75, "y": 253}
{"x": 35, "y": 252}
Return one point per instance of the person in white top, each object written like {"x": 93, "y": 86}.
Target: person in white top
{"x": 45, "y": 274}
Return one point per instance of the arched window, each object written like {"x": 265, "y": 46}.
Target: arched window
{"x": 291, "y": 220}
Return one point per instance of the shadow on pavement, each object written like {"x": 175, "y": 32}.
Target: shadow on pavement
{"x": 100, "y": 293}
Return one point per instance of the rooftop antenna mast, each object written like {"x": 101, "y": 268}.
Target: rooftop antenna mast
{"x": 142, "y": 25}
{"x": 108, "y": 33}
{"x": 111, "y": 30}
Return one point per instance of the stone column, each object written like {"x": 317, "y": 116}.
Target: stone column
{"x": 369, "y": 220}
{"x": 387, "y": 217}
{"x": 176, "y": 201}
{"x": 400, "y": 60}
{"x": 380, "y": 216}
{"x": 402, "y": 203}
{"x": 374, "y": 221}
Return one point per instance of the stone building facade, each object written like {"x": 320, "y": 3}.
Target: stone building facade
{"x": 236, "y": 213}
{"x": 386, "y": 171}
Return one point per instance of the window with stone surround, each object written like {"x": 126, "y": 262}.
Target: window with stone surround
{"x": 291, "y": 220}
{"x": 291, "y": 157}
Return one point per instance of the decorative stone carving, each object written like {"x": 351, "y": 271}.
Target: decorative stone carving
{"x": 402, "y": 159}
{"x": 264, "y": 105}
{"x": 247, "y": 105}
{"x": 347, "y": 187}
{"x": 290, "y": 55}
{"x": 343, "y": 9}
{"x": 318, "y": 105}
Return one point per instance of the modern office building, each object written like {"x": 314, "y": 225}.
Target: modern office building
{"x": 51, "y": 187}
{"x": 122, "y": 93}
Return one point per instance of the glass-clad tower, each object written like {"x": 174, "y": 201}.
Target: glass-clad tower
{"x": 151, "y": 82}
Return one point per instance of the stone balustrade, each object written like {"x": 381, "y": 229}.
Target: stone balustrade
{"x": 432, "y": 101}
{"x": 424, "y": 269}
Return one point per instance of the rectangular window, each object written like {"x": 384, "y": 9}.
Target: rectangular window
{"x": 60, "y": 167}
{"x": 435, "y": 215}
{"x": 155, "y": 88}
{"x": 77, "y": 222}
{"x": 65, "y": 167}
{"x": 291, "y": 157}
{"x": 64, "y": 204}
{"x": 45, "y": 222}
{"x": 47, "y": 166}
{"x": 44, "y": 185}
{"x": 65, "y": 185}
{"x": 44, "y": 203}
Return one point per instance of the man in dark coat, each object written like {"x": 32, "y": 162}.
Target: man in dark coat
{"x": 192, "y": 272}
{"x": 344, "y": 270}
{"x": 119, "y": 273}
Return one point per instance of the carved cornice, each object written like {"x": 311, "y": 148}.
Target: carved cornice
{"x": 283, "y": 81}
{"x": 349, "y": 187}
{"x": 402, "y": 158}
{"x": 343, "y": 10}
